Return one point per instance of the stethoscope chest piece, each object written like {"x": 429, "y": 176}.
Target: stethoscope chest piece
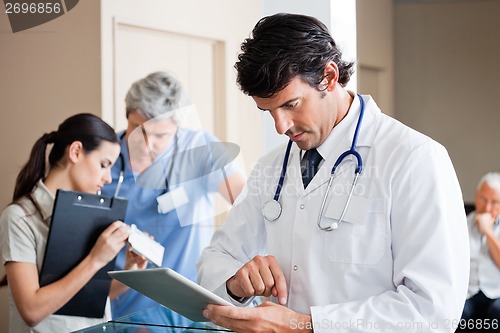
{"x": 271, "y": 210}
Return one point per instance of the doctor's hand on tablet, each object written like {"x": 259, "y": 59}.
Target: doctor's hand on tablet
{"x": 261, "y": 276}
{"x": 267, "y": 317}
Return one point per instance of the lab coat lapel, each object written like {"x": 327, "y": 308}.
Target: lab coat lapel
{"x": 295, "y": 172}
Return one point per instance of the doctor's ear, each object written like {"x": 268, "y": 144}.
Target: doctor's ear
{"x": 330, "y": 77}
{"x": 75, "y": 151}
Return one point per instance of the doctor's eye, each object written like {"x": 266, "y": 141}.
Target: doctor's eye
{"x": 290, "y": 105}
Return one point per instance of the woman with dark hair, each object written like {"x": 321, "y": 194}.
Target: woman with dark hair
{"x": 84, "y": 148}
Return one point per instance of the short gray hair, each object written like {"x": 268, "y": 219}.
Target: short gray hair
{"x": 492, "y": 179}
{"x": 155, "y": 96}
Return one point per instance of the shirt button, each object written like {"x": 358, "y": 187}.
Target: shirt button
{"x": 302, "y": 206}
{"x": 295, "y": 267}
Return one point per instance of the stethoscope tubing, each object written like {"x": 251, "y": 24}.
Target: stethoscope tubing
{"x": 334, "y": 225}
{"x": 283, "y": 171}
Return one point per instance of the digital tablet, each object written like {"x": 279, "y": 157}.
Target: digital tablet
{"x": 171, "y": 289}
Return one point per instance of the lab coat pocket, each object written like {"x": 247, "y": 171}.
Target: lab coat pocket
{"x": 360, "y": 236}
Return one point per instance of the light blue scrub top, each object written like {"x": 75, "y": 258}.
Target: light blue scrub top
{"x": 187, "y": 229}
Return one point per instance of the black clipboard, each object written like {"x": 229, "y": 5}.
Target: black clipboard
{"x": 77, "y": 221}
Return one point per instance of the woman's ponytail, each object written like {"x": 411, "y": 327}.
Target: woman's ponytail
{"x": 34, "y": 169}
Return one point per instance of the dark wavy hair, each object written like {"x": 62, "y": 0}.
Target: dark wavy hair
{"x": 284, "y": 46}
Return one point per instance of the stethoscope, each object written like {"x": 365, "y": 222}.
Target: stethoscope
{"x": 122, "y": 165}
{"x": 272, "y": 209}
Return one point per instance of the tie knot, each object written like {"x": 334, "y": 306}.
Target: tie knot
{"x": 312, "y": 159}
{"x": 313, "y": 156}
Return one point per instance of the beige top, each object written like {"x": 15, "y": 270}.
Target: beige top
{"x": 23, "y": 237}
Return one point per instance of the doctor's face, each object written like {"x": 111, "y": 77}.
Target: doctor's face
{"x": 301, "y": 112}
{"x": 487, "y": 200}
{"x": 146, "y": 139}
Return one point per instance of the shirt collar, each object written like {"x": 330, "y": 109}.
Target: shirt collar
{"x": 44, "y": 199}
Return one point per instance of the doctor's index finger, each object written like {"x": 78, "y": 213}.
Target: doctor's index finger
{"x": 280, "y": 289}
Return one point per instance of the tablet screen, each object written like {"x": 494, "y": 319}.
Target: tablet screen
{"x": 170, "y": 289}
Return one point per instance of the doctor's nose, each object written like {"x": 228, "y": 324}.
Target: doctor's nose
{"x": 282, "y": 121}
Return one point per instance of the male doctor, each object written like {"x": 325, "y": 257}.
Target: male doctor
{"x": 390, "y": 256}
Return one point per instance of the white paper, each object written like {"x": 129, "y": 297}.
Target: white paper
{"x": 145, "y": 246}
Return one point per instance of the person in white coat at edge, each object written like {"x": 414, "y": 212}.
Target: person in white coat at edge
{"x": 397, "y": 261}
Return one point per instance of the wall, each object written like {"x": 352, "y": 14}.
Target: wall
{"x": 375, "y": 51}
{"x": 447, "y": 80}
{"x": 47, "y": 74}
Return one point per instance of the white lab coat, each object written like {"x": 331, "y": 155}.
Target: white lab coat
{"x": 399, "y": 262}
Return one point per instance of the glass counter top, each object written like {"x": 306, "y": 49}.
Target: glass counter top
{"x": 157, "y": 319}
